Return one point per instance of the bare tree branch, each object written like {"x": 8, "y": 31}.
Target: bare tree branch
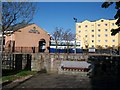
{"x": 14, "y": 13}
{"x": 57, "y": 35}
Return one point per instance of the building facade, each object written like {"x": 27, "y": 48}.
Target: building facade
{"x": 30, "y": 38}
{"x": 97, "y": 34}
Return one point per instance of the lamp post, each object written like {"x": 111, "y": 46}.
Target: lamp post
{"x": 75, "y": 45}
{"x": 75, "y": 19}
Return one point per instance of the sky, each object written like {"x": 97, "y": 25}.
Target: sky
{"x": 50, "y": 15}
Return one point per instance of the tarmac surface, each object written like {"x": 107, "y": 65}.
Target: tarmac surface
{"x": 45, "y": 80}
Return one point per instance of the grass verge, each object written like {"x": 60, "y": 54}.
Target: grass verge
{"x": 18, "y": 75}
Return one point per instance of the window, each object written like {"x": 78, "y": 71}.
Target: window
{"x": 98, "y": 24}
{"x": 98, "y": 40}
{"x": 92, "y": 35}
{"x": 99, "y": 30}
{"x": 92, "y": 40}
{"x": 52, "y": 43}
{"x": 106, "y": 35}
{"x": 102, "y": 20}
{"x": 92, "y": 25}
{"x": 105, "y": 24}
{"x": 113, "y": 40}
{"x": 92, "y": 30}
{"x": 106, "y": 40}
{"x": 85, "y": 35}
{"x": 106, "y": 30}
{"x": 112, "y": 24}
{"x": 106, "y": 46}
{"x": 79, "y": 31}
{"x": 78, "y": 36}
{"x": 98, "y": 35}
{"x": 79, "y": 26}
{"x": 113, "y": 45}
{"x": 85, "y": 30}
{"x": 93, "y": 46}
{"x": 86, "y": 26}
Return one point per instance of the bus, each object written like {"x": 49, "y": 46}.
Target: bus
{"x": 65, "y": 46}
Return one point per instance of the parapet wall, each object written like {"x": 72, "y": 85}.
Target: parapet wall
{"x": 51, "y": 62}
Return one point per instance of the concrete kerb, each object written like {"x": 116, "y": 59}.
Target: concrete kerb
{"x": 15, "y": 83}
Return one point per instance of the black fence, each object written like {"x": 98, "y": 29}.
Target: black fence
{"x": 16, "y": 62}
{"x": 102, "y": 51}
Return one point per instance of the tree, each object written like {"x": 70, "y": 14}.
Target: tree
{"x": 57, "y": 35}
{"x": 117, "y": 15}
{"x": 61, "y": 34}
{"x": 68, "y": 36}
{"x": 16, "y": 14}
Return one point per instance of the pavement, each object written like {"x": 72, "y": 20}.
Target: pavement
{"x": 45, "y": 80}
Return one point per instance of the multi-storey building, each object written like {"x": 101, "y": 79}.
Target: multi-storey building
{"x": 97, "y": 33}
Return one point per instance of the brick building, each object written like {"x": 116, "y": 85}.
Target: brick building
{"x": 29, "y": 38}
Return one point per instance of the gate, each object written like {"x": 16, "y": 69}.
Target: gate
{"x": 12, "y": 61}
{"x": 8, "y": 61}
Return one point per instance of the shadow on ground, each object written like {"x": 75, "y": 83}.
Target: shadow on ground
{"x": 106, "y": 75}
{"x": 6, "y": 72}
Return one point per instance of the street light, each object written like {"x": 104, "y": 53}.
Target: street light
{"x": 75, "y": 45}
{"x": 75, "y": 19}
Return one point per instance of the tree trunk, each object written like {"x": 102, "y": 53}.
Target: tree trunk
{"x": 67, "y": 47}
{"x": 56, "y": 46}
{"x": 2, "y": 39}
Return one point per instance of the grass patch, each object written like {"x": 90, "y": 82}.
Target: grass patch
{"x": 9, "y": 78}
{"x": 18, "y": 75}
{"x": 25, "y": 73}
